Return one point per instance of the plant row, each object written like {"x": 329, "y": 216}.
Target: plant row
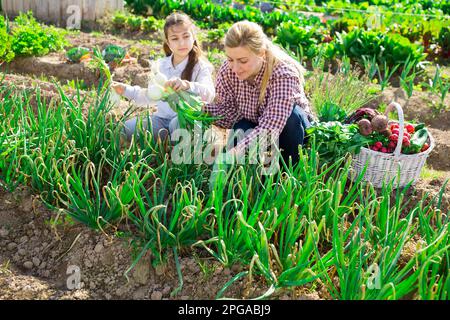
{"x": 27, "y": 37}
{"x": 306, "y": 225}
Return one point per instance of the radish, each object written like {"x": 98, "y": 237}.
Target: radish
{"x": 410, "y": 128}
{"x": 406, "y": 141}
{"x": 425, "y": 147}
{"x": 394, "y": 126}
{"x": 393, "y": 137}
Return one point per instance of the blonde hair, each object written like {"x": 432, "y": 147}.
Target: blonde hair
{"x": 251, "y": 35}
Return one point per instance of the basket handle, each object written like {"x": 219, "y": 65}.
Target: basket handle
{"x": 401, "y": 121}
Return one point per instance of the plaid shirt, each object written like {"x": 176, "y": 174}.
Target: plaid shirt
{"x": 239, "y": 99}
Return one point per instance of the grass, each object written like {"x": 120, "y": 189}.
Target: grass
{"x": 5, "y": 268}
{"x": 431, "y": 174}
{"x": 337, "y": 94}
{"x": 206, "y": 267}
{"x": 97, "y": 34}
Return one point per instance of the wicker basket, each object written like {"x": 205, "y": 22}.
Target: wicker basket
{"x": 382, "y": 168}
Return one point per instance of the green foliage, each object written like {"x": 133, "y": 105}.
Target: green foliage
{"x": 307, "y": 224}
{"x": 119, "y": 20}
{"x": 408, "y": 77}
{"x": 298, "y": 38}
{"x": 347, "y": 23}
{"x": 335, "y": 96}
{"x": 6, "y": 54}
{"x": 444, "y": 40}
{"x": 391, "y": 49}
{"x": 215, "y": 35}
{"x": 113, "y": 53}
{"x": 212, "y": 14}
{"x": 76, "y": 53}
{"x": 335, "y": 139}
{"x": 32, "y": 39}
{"x": 151, "y": 24}
{"x": 134, "y": 23}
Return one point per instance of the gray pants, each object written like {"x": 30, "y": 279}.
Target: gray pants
{"x": 160, "y": 126}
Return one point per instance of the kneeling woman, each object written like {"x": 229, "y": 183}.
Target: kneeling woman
{"x": 260, "y": 87}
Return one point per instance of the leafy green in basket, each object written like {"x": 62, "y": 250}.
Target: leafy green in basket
{"x": 335, "y": 139}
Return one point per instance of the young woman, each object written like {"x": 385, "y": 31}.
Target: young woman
{"x": 184, "y": 66}
{"x": 260, "y": 87}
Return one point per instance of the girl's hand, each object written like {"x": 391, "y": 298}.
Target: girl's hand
{"x": 118, "y": 87}
{"x": 177, "y": 84}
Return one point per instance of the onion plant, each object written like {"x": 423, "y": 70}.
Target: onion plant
{"x": 306, "y": 225}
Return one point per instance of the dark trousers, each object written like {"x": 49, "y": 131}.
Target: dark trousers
{"x": 290, "y": 138}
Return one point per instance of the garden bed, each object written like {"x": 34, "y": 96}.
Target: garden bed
{"x": 38, "y": 245}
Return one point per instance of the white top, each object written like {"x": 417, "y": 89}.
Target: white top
{"x": 202, "y": 84}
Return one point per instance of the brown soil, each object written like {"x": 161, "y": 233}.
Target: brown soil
{"x": 49, "y": 92}
{"x": 431, "y": 188}
{"x": 35, "y": 256}
{"x": 53, "y": 65}
{"x": 420, "y": 107}
{"x": 439, "y": 158}
{"x": 56, "y": 65}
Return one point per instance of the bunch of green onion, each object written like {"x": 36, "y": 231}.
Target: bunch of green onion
{"x": 187, "y": 105}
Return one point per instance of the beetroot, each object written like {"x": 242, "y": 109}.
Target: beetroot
{"x": 379, "y": 123}
{"x": 365, "y": 127}
{"x": 361, "y": 113}
{"x": 387, "y": 133}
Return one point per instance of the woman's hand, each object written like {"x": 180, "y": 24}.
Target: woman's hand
{"x": 177, "y": 84}
{"x": 118, "y": 88}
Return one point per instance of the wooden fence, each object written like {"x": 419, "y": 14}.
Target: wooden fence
{"x": 56, "y": 11}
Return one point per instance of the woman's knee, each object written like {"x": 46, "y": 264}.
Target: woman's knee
{"x": 294, "y": 129}
{"x": 244, "y": 125}
{"x": 239, "y": 131}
